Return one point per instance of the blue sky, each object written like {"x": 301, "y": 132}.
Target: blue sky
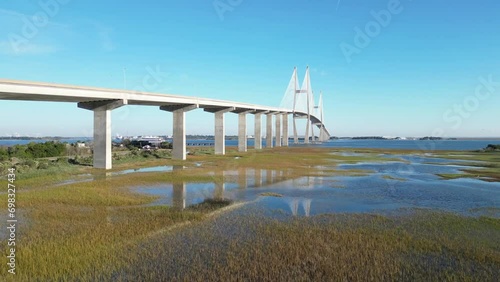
{"x": 398, "y": 68}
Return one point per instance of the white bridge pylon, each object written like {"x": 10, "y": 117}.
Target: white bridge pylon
{"x": 301, "y": 100}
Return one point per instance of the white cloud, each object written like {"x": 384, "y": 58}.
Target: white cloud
{"x": 7, "y": 48}
{"x": 20, "y": 16}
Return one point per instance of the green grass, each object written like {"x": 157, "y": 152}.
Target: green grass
{"x": 393, "y": 178}
{"x": 415, "y": 246}
{"x": 90, "y": 230}
{"x": 271, "y": 194}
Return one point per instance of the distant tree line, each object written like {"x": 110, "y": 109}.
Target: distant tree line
{"x": 33, "y": 150}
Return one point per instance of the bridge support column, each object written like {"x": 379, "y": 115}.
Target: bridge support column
{"x": 269, "y": 131}
{"x": 278, "y": 130}
{"x": 220, "y": 134}
{"x": 102, "y": 130}
{"x": 306, "y": 135}
{"x": 323, "y": 134}
{"x": 102, "y": 139}
{"x": 242, "y": 131}
{"x": 285, "y": 130}
{"x": 179, "y": 128}
{"x": 295, "y": 134}
{"x": 220, "y": 131}
{"x": 258, "y": 132}
{"x": 179, "y": 135}
{"x": 313, "y": 137}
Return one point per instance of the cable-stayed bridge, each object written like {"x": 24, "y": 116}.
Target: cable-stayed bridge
{"x": 102, "y": 101}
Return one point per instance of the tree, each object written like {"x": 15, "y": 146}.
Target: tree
{"x": 4, "y": 154}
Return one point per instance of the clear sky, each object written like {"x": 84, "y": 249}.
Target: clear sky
{"x": 386, "y": 67}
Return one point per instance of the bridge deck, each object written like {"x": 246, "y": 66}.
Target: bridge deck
{"x": 102, "y": 101}
{"x": 39, "y": 91}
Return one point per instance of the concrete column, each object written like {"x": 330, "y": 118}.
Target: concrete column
{"x": 313, "y": 139}
{"x": 179, "y": 128}
{"x": 220, "y": 134}
{"x": 295, "y": 135}
{"x": 242, "y": 132}
{"x": 306, "y": 135}
{"x": 102, "y": 129}
{"x": 269, "y": 131}
{"x": 102, "y": 139}
{"x": 278, "y": 130}
{"x": 258, "y": 132}
{"x": 285, "y": 130}
{"x": 179, "y": 132}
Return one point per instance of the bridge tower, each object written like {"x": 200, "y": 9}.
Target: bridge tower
{"x": 303, "y": 102}
{"x": 319, "y": 113}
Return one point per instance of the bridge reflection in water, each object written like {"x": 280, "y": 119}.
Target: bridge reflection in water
{"x": 228, "y": 184}
{"x": 294, "y": 203}
{"x": 231, "y": 184}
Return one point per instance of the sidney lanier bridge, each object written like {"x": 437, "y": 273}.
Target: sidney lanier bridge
{"x": 297, "y": 102}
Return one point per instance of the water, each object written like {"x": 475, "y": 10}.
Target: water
{"x": 86, "y": 177}
{"x": 423, "y": 145}
{"x": 12, "y": 142}
{"x": 341, "y": 143}
{"x": 163, "y": 168}
{"x": 414, "y": 185}
{"x": 409, "y": 183}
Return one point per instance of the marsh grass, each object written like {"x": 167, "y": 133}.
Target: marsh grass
{"x": 271, "y": 194}
{"x": 209, "y": 205}
{"x": 101, "y": 230}
{"x": 420, "y": 245}
{"x": 82, "y": 229}
{"x": 487, "y": 163}
{"x": 393, "y": 178}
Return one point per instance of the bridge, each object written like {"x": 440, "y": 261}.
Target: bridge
{"x": 102, "y": 101}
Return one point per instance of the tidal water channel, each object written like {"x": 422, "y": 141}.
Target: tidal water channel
{"x": 383, "y": 187}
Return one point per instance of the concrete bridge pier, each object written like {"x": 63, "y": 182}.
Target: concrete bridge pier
{"x": 179, "y": 128}
{"x": 295, "y": 134}
{"x": 278, "y": 130}
{"x": 285, "y": 130}
{"x": 258, "y": 131}
{"x": 242, "y": 130}
{"x": 220, "y": 132}
{"x": 269, "y": 130}
{"x": 102, "y": 129}
{"x": 313, "y": 138}
{"x": 306, "y": 136}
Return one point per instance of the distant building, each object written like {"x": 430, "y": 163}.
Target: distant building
{"x": 152, "y": 140}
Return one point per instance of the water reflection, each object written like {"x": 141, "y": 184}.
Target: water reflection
{"x": 220, "y": 185}
{"x": 241, "y": 184}
{"x": 179, "y": 195}
{"x": 294, "y": 204}
{"x": 410, "y": 183}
